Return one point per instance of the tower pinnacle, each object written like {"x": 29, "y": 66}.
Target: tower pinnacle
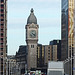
{"x": 32, "y": 10}
{"x": 32, "y": 18}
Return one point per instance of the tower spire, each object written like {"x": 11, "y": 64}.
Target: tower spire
{"x": 32, "y": 10}
{"x": 32, "y": 18}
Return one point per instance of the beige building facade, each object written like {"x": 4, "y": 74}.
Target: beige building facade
{"x": 3, "y": 36}
{"x": 50, "y": 53}
{"x": 46, "y": 53}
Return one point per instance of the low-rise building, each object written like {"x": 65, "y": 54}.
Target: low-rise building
{"x": 50, "y": 53}
{"x": 10, "y": 65}
{"x": 45, "y": 53}
{"x": 55, "y": 68}
{"x": 21, "y": 58}
{"x": 58, "y": 43}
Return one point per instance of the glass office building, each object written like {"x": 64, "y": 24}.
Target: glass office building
{"x": 68, "y": 32}
{"x": 64, "y": 30}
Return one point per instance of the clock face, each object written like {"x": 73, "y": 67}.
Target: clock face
{"x": 32, "y": 33}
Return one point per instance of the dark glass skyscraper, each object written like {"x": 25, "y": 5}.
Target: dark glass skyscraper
{"x": 64, "y": 30}
{"x": 68, "y": 32}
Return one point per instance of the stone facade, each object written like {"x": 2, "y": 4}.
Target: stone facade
{"x": 21, "y": 58}
{"x": 31, "y": 40}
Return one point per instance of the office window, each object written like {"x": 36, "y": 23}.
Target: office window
{"x": 2, "y": 24}
{"x": 2, "y": 15}
{"x": 2, "y": 19}
{"x": 1, "y": 53}
{"x": 2, "y": 0}
{"x": 1, "y": 34}
{"x": 1, "y": 43}
{"x": 2, "y": 10}
{"x": 1, "y": 30}
{"x": 1, "y": 39}
{"x": 2, "y": 6}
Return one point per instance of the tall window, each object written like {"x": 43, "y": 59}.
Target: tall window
{"x": 32, "y": 46}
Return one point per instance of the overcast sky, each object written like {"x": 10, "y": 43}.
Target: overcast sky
{"x": 48, "y": 13}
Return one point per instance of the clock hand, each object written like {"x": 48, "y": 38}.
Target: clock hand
{"x": 33, "y": 34}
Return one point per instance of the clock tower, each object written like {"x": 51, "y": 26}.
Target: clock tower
{"x": 32, "y": 40}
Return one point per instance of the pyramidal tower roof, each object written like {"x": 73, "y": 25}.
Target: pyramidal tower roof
{"x": 32, "y": 18}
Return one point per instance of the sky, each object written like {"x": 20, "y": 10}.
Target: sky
{"x": 48, "y": 14}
